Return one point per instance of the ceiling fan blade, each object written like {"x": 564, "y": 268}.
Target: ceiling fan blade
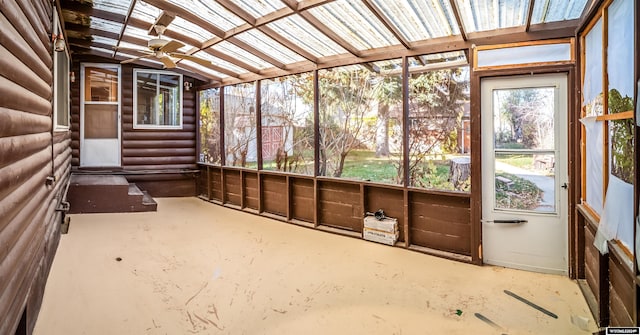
{"x": 191, "y": 58}
{"x": 171, "y": 46}
{"x": 168, "y": 63}
{"x": 135, "y": 59}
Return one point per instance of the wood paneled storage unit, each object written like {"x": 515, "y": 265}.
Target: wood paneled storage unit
{"x": 432, "y": 222}
{"x": 160, "y": 161}
{"x": 34, "y": 162}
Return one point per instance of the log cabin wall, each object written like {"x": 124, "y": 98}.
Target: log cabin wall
{"x": 34, "y": 162}
{"x": 162, "y": 162}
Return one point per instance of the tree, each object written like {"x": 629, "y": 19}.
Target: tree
{"x": 240, "y": 123}
{"x": 436, "y": 107}
{"x": 622, "y": 146}
{"x": 210, "y": 126}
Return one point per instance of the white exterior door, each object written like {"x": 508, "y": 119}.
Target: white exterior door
{"x": 100, "y": 115}
{"x": 524, "y": 172}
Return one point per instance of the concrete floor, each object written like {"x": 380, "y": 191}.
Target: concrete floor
{"x": 198, "y": 268}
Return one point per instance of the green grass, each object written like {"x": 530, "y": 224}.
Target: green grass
{"x": 520, "y": 161}
{"x": 520, "y": 194}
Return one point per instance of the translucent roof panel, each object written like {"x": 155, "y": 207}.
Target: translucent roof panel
{"x": 355, "y": 23}
{"x": 219, "y": 62}
{"x": 145, "y": 12}
{"x": 452, "y": 56}
{"x": 258, "y": 8}
{"x": 242, "y": 55}
{"x": 190, "y": 29}
{"x": 114, "y": 6}
{"x": 142, "y": 34}
{"x": 103, "y": 40}
{"x": 303, "y": 34}
{"x": 557, "y": 10}
{"x": 105, "y": 25}
{"x": 269, "y": 46}
{"x": 212, "y": 12}
{"x": 420, "y": 20}
{"x": 201, "y": 68}
{"x": 483, "y": 15}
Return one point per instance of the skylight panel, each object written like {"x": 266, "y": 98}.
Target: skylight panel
{"x": 269, "y": 46}
{"x": 143, "y": 34}
{"x": 482, "y": 15}
{"x": 190, "y": 29}
{"x": 303, "y": 34}
{"x": 145, "y": 12}
{"x": 212, "y": 12}
{"x": 113, "y": 6}
{"x": 105, "y": 25}
{"x": 220, "y": 62}
{"x": 242, "y": 55}
{"x": 420, "y": 20}
{"x": 258, "y": 8}
{"x": 103, "y": 40}
{"x": 354, "y": 23}
{"x": 557, "y": 10}
{"x": 202, "y": 69}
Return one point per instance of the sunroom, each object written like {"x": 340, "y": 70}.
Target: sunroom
{"x": 498, "y": 133}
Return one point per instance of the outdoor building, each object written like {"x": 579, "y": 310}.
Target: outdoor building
{"x": 496, "y": 133}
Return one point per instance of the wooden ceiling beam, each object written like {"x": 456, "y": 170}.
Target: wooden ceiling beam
{"x": 232, "y": 60}
{"x": 458, "y": 17}
{"x": 187, "y": 15}
{"x": 288, "y": 44}
{"x": 312, "y": 20}
{"x": 237, "y": 10}
{"x": 124, "y": 25}
{"x": 267, "y": 58}
{"x": 527, "y": 23}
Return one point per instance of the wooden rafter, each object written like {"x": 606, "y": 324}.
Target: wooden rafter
{"x": 527, "y": 23}
{"x": 312, "y": 20}
{"x": 456, "y": 14}
{"x": 124, "y": 25}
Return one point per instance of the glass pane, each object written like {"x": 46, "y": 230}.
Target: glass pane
{"x": 523, "y": 118}
{"x": 100, "y": 121}
{"x": 353, "y": 22}
{"x": 439, "y": 125}
{"x": 592, "y": 96}
{"x": 210, "y": 126}
{"x": 525, "y": 182}
{"x": 62, "y": 88}
{"x": 557, "y": 10}
{"x": 482, "y": 15}
{"x": 219, "y": 62}
{"x": 525, "y": 54}
{"x": 190, "y": 29}
{"x": 420, "y": 20}
{"x": 240, "y": 125}
{"x": 361, "y": 122}
{"x": 158, "y": 99}
{"x": 622, "y": 149}
{"x": 101, "y": 84}
{"x": 287, "y": 124}
{"x": 300, "y": 32}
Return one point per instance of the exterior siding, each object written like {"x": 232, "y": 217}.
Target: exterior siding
{"x": 30, "y": 153}
{"x": 156, "y": 160}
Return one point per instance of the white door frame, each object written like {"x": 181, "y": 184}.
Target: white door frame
{"x": 541, "y": 243}
{"x": 87, "y": 160}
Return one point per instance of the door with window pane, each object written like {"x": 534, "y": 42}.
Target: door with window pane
{"x": 524, "y": 172}
{"x": 100, "y": 116}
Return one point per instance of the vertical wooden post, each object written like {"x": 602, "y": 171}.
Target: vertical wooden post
{"x": 242, "y": 187}
{"x": 407, "y": 216}
{"x": 363, "y": 203}
{"x": 476, "y": 165}
{"x": 258, "y": 87}
{"x": 208, "y": 182}
{"x": 223, "y": 156}
{"x": 316, "y": 149}
{"x": 289, "y": 197}
{"x": 406, "y": 180}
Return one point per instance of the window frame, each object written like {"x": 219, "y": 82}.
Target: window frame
{"x": 56, "y": 75}
{"x": 135, "y": 99}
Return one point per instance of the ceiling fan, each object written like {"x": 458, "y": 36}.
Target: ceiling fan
{"x": 163, "y": 50}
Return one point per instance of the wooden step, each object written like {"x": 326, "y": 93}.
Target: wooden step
{"x": 106, "y": 194}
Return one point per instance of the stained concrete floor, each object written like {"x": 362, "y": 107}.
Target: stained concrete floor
{"x": 198, "y": 268}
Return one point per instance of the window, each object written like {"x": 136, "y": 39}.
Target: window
{"x": 210, "y": 126}
{"x": 439, "y": 119}
{"x": 157, "y": 99}
{"x": 607, "y": 115}
{"x": 61, "y": 86}
{"x": 240, "y": 125}
{"x": 287, "y": 124}
{"x": 361, "y": 122}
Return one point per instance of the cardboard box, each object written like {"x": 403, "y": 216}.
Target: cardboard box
{"x": 389, "y": 225}
{"x": 375, "y": 235}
